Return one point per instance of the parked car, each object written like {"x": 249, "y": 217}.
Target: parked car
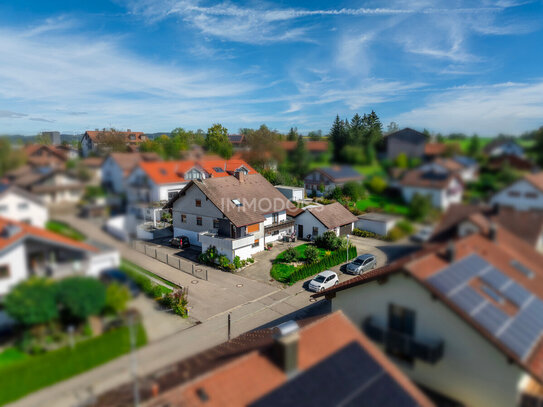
{"x": 361, "y": 264}
{"x": 423, "y": 234}
{"x": 180, "y": 242}
{"x": 323, "y": 280}
{"x": 117, "y": 276}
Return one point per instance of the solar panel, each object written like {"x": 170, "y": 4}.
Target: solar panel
{"x": 522, "y": 268}
{"x": 517, "y": 294}
{"x": 458, "y": 273}
{"x": 492, "y": 294}
{"x": 495, "y": 278}
{"x": 491, "y": 317}
{"x": 468, "y": 299}
{"x": 218, "y": 169}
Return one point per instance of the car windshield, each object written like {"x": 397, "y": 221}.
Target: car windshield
{"x": 320, "y": 279}
{"x": 357, "y": 261}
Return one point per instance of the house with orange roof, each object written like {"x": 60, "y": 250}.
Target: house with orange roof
{"x": 92, "y": 140}
{"x": 40, "y": 155}
{"x": 462, "y": 319}
{"x": 524, "y": 194}
{"x": 117, "y": 166}
{"x": 322, "y": 361}
{"x": 27, "y": 251}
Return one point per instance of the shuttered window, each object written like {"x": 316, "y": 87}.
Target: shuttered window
{"x": 253, "y": 228}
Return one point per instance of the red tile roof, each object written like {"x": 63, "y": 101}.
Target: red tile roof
{"x": 433, "y": 149}
{"x": 24, "y": 230}
{"x": 312, "y": 146}
{"x": 138, "y": 136}
{"x": 170, "y": 172}
{"x": 535, "y": 179}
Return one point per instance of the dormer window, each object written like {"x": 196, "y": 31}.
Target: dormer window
{"x": 132, "y": 137}
{"x": 193, "y": 174}
{"x": 236, "y": 202}
{"x": 243, "y": 170}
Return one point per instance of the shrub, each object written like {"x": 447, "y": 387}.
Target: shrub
{"x": 328, "y": 241}
{"x": 402, "y": 161}
{"x": 311, "y": 254}
{"x": 377, "y": 184}
{"x": 117, "y": 295}
{"x": 223, "y": 261}
{"x": 353, "y": 190}
{"x": 250, "y": 260}
{"x": 290, "y": 255}
{"x": 237, "y": 262}
{"x": 406, "y": 226}
{"x": 365, "y": 233}
{"x": 81, "y": 297}
{"x": 419, "y": 207}
{"x": 32, "y": 301}
{"x": 395, "y": 234}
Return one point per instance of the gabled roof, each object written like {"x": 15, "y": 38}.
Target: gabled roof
{"x": 333, "y": 215}
{"x": 318, "y": 146}
{"x": 408, "y": 135}
{"x": 6, "y": 189}
{"x": 171, "y": 172}
{"x": 535, "y": 179}
{"x": 138, "y": 136}
{"x": 244, "y": 371}
{"x": 257, "y": 197}
{"x": 465, "y": 161}
{"x": 236, "y": 138}
{"x": 340, "y": 173}
{"x": 503, "y": 278}
{"x": 498, "y": 142}
{"x": 427, "y": 179}
{"x": 25, "y": 231}
{"x": 129, "y": 161}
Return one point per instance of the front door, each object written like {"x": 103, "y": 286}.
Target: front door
{"x": 300, "y": 231}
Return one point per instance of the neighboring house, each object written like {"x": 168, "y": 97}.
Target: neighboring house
{"x": 315, "y": 148}
{"x": 505, "y": 147}
{"x": 51, "y": 185}
{"x": 465, "y": 167}
{"x": 462, "y": 320}
{"x": 323, "y": 361}
{"x": 407, "y": 141}
{"x": 160, "y": 181}
{"x": 237, "y": 140}
{"x": 524, "y": 194}
{"x": 378, "y": 223}
{"x": 27, "y": 251}
{"x": 434, "y": 150}
{"x": 443, "y": 188}
{"x": 462, "y": 220}
{"x": 20, "y": 205}
{"x": 315, "y": 220}
{"x": 117, "y": 166}
{"x": 40, "y": 155}
{"x": 295, "y": 194}
{"x": 330, "y": 178}
{"x": 69, "y": 151}
{"x": 94, "y": 166}
{"x": 513, "y": 161}
{"x": 54, "y": 136}
{"x": 91, "y": 140}
{"x": 237, "y": 214}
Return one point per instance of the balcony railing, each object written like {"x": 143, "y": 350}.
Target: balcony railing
{"x": 225, "y": 243}
{"x": 427, "y": 351}
{"x": 279, "y": 225}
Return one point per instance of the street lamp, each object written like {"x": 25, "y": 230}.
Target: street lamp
{"x": 348, "y": 248}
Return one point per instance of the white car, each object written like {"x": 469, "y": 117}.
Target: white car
{"x": 323, "y": 280}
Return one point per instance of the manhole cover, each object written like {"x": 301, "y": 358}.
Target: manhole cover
{"x": 194, "y": 282}
{"x": 312, "y": 299}
{"x": 239, "y": 285}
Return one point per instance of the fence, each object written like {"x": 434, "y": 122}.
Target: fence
{"x": 174, "y": 261}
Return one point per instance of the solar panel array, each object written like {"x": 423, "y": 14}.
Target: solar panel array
{"x": 519, "y": 332}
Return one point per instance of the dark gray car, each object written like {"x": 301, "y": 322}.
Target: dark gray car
{"x": 361, "y": 264}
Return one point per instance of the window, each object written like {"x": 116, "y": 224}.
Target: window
{"x": 530, "y": 195}
{"x": 275, "y": 217}
{"x": 183, "y": 218}
{"x": 236, "y": 202}
{"x": 23, "y": 206}
{"x": 514, "y": 194}
{"x": 198, "y": 203}
{"x": 4, "y": 271}
{"x": 215, "y": 223}
{"x": 253, "y": 228}
{"x": 315, "y": 230}
{"x": 193, "y": 174}
{"x": 199, "y": 221}
{"x": 401, "y": 324}
{"x": 256, "y": 243}
{"x": 275, "y": 232}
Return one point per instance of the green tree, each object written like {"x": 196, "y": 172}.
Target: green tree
{"x": 354, "y": 155}
{"x": 377, "y": 184}
{"x": 43, "y": 139}
{"x": 315, "y": 135}
{"x": 419, "y": 207}
{"x": 474, "y": 147}
{"x": 338, "y": 136}
{"x": 299, "y": 159}
{"x": 402, "y": 161}
{"x": 263, "y": 146}
{"x": 217, "y": 141}
{"x": 81, "y": 297}
{"x": 292, "y": 134}
{"x": 9, "y": 158}
{"x": 311, "y": 255}
{"x": 32, "y": 302}
{"x": 537, "y": 148}
{"x": 117, "y": 296}
{"x": 111, "y": 140}
{"x": 353, "y": 190}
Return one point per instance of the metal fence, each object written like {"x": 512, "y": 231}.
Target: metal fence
{"x": 174, "y": 261}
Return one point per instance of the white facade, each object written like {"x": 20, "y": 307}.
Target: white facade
{"x": 308, "y": 224}
{"x": 522, "y": 196}
{"x": 380, "y": 227}
{"x": 440, "y": 198}
{"x": 292, "y": 193}
{"x": 59, "y": 189}
{"x": 19, "y": 208}
{"x": 471, "y": 370}
{"x": 14, "y": 257}
{"x": 112, "y": 175}
{"x": 141, "y": 188}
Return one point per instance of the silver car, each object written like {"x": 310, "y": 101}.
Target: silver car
{"x": 361, "y": 264}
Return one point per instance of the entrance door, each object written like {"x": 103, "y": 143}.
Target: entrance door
{"x": 300, "y": 231}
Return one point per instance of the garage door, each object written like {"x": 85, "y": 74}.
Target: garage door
{"x": 345, "y": 229}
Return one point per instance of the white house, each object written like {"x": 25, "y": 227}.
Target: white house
{"x": 443, "y": 188}
{"x": 22, "y": 206}
{"x": 466, "y": 168}
{"x": 463, "y": 321}
{"x": 295, "y": 194}
{"x": 27, "y": 251}
{"x": 378, "y": 223}
{"x": 505, "y": 147}
{"x": 238, "y": 214}
{"x": 523, "y": 195}
{"x": 117, "y": 166}
{"x": 315, "y": 220}
{"x": 328, "y": 178}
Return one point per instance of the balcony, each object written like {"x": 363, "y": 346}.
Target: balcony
{"x": 427, "y": 351}
{"x": 223, "y": 243}
{"x": 279, "y": 226}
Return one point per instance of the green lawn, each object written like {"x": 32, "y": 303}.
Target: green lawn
{"x": 131, "y": 269}
{"x": 11, "y": 355}
{"x": 382, "y": 202}
{"x": 484, "y": 141}
{"x": 280, "y": 271}
{"x": 370, "y": 170}
{"x": 64, "y": 230}
{"x": 35, "y": 372}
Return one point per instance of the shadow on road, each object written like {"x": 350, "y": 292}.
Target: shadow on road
{"x": 321, "y": 307}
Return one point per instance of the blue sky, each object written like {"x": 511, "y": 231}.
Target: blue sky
{"x": 152, "y": 65}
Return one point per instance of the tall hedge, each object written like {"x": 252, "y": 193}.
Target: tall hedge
{"x": 337, "y": 257}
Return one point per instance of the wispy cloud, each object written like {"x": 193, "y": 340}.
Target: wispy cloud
{"x": 6, "y": 114}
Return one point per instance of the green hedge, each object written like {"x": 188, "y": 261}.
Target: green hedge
{"x": 21, "y": 378}
{"x": 64, "y": 229}
{"x": 144, "y": 283}
{"x": 337, "y": 257}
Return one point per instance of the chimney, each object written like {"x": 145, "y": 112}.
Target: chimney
{"x": 285, "y": 347}
{"x": 451, "y": 252}
{"x": 493, "y": 231}
{"x": 240, "y": 175}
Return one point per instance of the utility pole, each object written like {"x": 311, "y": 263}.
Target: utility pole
{"x": 347, "y": 248}
{"x": 229, "y": 326}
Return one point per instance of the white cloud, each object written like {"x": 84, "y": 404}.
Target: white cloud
{"x": 488, "y": 110}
